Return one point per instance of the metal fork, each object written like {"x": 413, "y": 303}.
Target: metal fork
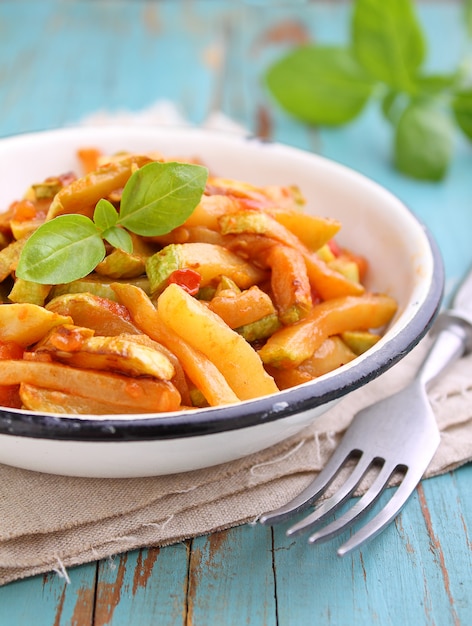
{"x": 399, "y": 434}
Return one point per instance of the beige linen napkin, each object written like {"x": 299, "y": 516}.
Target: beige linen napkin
{"x": 52, "y": 522}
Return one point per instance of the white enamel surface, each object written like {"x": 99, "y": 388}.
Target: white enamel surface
{"x": 132, "y": 459}
{"x": 375, "y": 224}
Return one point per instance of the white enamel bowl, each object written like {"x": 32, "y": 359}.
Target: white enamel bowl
{"x": 404, "y": 262}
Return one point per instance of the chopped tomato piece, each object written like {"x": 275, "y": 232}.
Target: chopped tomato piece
{"x": 89, "y": 158}
{"x": 188, "y": 279}
{"x": 24, "y": 210}
{"x": 67, "y": 178}
{"x": 10, "y": 396}
{"x": 334, "y": 247}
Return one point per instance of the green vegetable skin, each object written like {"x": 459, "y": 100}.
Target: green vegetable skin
{"x": 121, "y": 264}
{"x": 96, "y": 285}
{"x": 359, "y": 341}
{"x": 211, "y": 260}
{"x": 260, "y": 329}
{"x": 330, "y": 85}
{"x": 161, "y": 265}
{"x": 26, "y": 291}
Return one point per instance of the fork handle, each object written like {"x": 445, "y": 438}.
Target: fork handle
{"x": 451, "y": 342}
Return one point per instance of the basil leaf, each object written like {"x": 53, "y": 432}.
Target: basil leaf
{"x": 423, "y": 142}
{"x": 392, "y": 105}
{"x": 118, "y": 238}
{"x": 388, "y": 41}
{"x": 105, "y": 215}
{"x": 435, "y": 83}
{"x": 468, "y": 16}
{"x": 462, "y": 109}
{"x": 65, "y": 249}
{"x": 320, "y": 84}
{"x": 158, "y": 197}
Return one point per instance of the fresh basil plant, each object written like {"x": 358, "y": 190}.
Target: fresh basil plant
{"x": 329, "y": 85}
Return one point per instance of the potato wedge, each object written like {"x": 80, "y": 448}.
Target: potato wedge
{"x": 245, "y": 307}
{"x": 268, "y": 197}
{"x": 299, "y": 230}
{"x": 9, "y": 257}
{"x": 327, "y": 282}
{"x": 202, "y": 234}
{"x": 258, "y": 223}
{"x": 210, "y": 208}
{"x": 27, "y": 323}
{"x": 291, "y": 345}
{"x": 312, "y": 230}
{"x": 82, "y": 195}
{"x": 179, "y": 380}
{"x": 117, "y": 354}
{"x": 199, "y": 369}
{"x": 36, "y": 398}
{"x": 203, "y": 373}
{"x": 332, "y": 353}
{"x": 209, "y": 260}
{"x": 190, "y": 234}
{"x": 102, "y": 315}
{"x": 204, "y": 330}
{"x": 289, "y": 282}
{"x": 142, "y": 395}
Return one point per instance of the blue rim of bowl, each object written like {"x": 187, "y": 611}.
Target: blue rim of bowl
{"x": 247, "y": 414}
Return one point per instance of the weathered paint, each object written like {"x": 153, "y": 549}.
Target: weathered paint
{"x": 64, "y": 60}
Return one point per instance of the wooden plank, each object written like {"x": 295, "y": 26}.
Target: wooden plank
{"x": 446, "y": 506}
{"x": 144, "y": 587}
{"x": 231, "y": 579}
{"x": 404, "y": 576}
{"x": 111, "y": 56}
{"x": 51, "y": 599}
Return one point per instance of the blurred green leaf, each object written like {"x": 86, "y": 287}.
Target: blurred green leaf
{"x": 329, "y": 85}
{"x": 392, "y": 105}
{"x": 423, "y": 141}
{"x": 320, "y": 85}
{"x": 388, "y": 41}
{"x": 462, "y": 109}
{"x": 468, "y": 16}
{"x": 435, "y": 83}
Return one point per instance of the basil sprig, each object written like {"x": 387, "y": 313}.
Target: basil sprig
{"x": 157, "y": 198}
{"x": 328, "y": 85}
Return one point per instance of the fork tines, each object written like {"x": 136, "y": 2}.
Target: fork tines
{"x": 365, "y": 463}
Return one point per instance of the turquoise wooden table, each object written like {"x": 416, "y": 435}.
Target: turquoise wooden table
{"x": 62, "y": 61}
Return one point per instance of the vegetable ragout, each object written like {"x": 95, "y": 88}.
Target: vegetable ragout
{"x": 150, "y": 285}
